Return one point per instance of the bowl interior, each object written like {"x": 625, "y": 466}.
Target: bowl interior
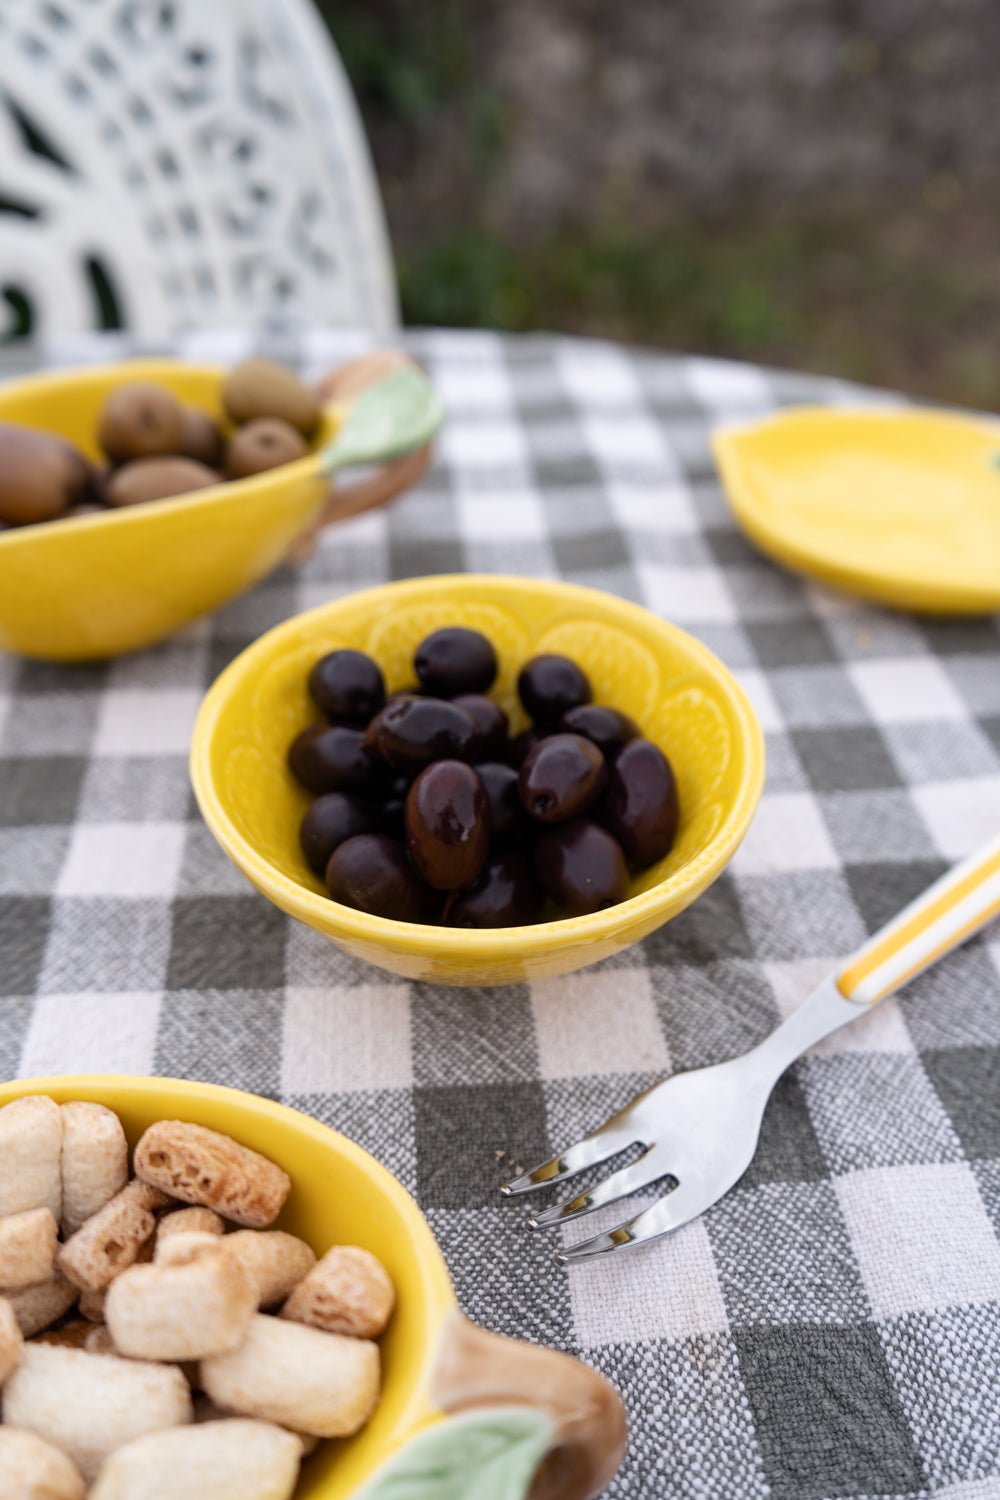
{"x": 682, "y": 697}
{"x": 67, "y": 402}
{"x": 340, "y": 1195}
{"x": 96, "y": 585}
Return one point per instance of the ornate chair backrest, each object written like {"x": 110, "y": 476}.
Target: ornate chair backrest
{"x": 169, "y": 165}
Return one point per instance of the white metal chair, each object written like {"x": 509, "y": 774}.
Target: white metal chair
{"x": 168, "y": 165}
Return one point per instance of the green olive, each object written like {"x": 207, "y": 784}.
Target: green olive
{"x": 157, "y": 479}
{"x": 263, "y": 444}
{"x": 41, "y": 475}
{"x": 260, "y": 388}
{"x": 140, "y": 420}
{"x": 201, "y": 438}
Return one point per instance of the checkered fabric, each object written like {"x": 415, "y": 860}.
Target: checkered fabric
{"x": 832, "y": 1327}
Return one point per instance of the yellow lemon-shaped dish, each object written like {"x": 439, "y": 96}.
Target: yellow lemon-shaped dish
{"x": 340, "y": 1196}
{"x": 98, "y": 585}
{"x": 681, "y": 696}
{"x": 901, "y": 506}
{"x": 437, "y": 1368}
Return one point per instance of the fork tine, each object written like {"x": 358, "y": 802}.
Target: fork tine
{"x": 589, "y": 1152}
{"x": 638, "y": 1174}
{"x": 671, "y": 1212}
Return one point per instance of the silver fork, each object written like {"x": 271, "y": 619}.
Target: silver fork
{"x": 701, "y": 1128}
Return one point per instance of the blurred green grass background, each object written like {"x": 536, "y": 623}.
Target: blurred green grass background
{"x": 878, "y": 264}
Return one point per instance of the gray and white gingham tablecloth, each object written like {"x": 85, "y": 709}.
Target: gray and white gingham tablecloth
{"x": 832, "y": 1327}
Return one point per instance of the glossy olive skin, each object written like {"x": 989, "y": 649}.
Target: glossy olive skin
{"x": 332, "y": 818}
{"x": 40, "y": 475}
{"x": 412, "y": 732}
{"x": 389, "y": 800}
{"x": 448, "y": 825}
{"x": 641, "y": 807}
{"x": 455, "y": 660}
{"x": 140, "y": 419}
{"x": 372, "y": 873}
{"x": 550, "y": 686}
{"x": 201, "y": 439}
{"x": 581, "y": 867}
{"x": 562, "y": 778}
{"x": 490, "y": 721}
{"x": 265, "y": 443}
{"x": 347, "y": 686}
{"x": 509, "y": 821}
{"x": 504, "y": 895}
{"x": 147, "y": 479}
{"x": 518, "y": 749}
{"x": 606, "y": 727}
{"x": 261, "y": 388}
{"x": 330, "y": 758}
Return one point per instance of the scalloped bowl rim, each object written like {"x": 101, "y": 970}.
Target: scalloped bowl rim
{"x": 481, "y": 943}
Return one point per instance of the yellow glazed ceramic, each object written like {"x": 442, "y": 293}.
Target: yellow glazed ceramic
{"x": 433, "y": 1359}
{"x": 900, "y": 506}
{"x": 340, "y": 1195}
{"x": 99, "y": 585}
{"x": 677, "y": 691}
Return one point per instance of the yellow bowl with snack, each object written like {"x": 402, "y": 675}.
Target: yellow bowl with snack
{"x": 433, "y": 1360}
{"x": 98, "y": 585}
{"x": 677, "y": 691}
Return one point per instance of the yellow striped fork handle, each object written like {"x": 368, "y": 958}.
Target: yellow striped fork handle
{"x": 952, "y": 909}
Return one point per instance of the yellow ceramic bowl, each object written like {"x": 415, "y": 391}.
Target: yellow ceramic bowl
{"x": 340, "y": 1195}
{"x": 677, "y": 691}
{"x": 100, "y": 585}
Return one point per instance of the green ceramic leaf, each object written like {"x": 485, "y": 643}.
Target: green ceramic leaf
{"x": 395, "y": 416}
{"x": 483, "y": 1455}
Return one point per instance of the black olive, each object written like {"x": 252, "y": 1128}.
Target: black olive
{"x": 581, "y": 867}
{"x": 455, "y": 660}
{"x": 347, "y": 686}
{"x": 551, "y": 685}
{"x": 448, "y": 825}
{"x": 640, "y": 807}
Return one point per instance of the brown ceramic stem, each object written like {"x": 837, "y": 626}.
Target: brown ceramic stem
{"x": 344, "y": 385}
{"x": 477, "y": 1369}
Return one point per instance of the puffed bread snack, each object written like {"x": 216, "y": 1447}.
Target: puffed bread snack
{"x": 72, "y": 1335}
{"x": 180, "y": 1297}
{"x": 205, "y": 1410}
{"x": 27, "y": 1248}
{"x": 234, "y": 1459}
{"x": 92, "y": 1306}
{"x": 182, "y": 1249}
{"x": 36, "y": 1307}
{"x": 318, "y": 1383}
{"x": 348, "y": 1291}
{"x": 276, "y": 1261}
{"x": 88, "y": 1405}
{"x": 99, "y": 1340}
{"x": 200, "y": 1166}
{"x": 94, "y": 1161}
{"x": 31, "y": 1469}
{"x": 196, "y": 1302}
{"x": 11, "y": 1339}
{"x": 110, "y": 1242}
{"x": 30, "y": 1155}
{"x": 188, "y": 1221}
